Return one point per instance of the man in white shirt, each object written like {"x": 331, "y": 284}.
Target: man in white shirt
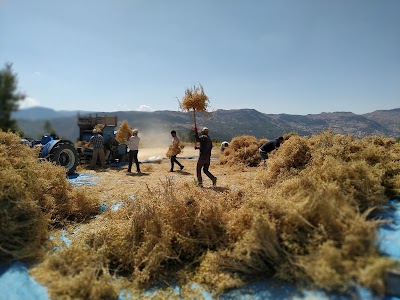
{"x": 133, "y": 145}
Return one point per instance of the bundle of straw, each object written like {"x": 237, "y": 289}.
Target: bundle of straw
{"x": 99, "y": 127}
{"x": 123, "y": 132}
{"x": 174, "y": 149}
{"x": 195, "y": 99}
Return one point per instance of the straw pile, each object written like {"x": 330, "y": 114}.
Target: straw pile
{"x": 242, "y": 150}
{"x": 161, "y": 232}
{"x": 306, "y": 219}
{"x": 124, "y": 132}
{"x": 77, "y": 273}
{"x": 33, "y": 196}
{"x": 194, "y": 99}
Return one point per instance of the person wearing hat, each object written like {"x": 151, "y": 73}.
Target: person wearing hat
{"x": 224, "y": 145}
{"x": 96, "y": 141}
{"x": 133, "y": 145}
{"x": 203, "y": 163}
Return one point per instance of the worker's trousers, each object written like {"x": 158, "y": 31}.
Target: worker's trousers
{"x": 133, "y": 156}
{"x": 98, "y": 153}
{"x": 203, "y": 163}
{"x": 174, "y": 160}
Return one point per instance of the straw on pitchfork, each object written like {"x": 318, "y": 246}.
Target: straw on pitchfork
{"x": 195, "y": 99}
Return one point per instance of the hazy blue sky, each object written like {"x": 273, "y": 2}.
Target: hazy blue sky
{"x": 282, "y": 56}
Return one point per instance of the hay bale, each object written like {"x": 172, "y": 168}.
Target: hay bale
{"x": 123, "y": 132}
{"x": 194, "y": 99}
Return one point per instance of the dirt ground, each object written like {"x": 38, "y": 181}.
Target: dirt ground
{"x": 155, "y": 168}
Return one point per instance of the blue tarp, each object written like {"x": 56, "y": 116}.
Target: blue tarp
{"x": 389, "y": 234}
{"x": 82, "y": 179}
{"x": 17, "y": 284}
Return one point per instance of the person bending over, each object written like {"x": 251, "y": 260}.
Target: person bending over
{"x": 269, "y": 147}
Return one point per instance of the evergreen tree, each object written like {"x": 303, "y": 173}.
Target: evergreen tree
{"x": 9, "y": 98}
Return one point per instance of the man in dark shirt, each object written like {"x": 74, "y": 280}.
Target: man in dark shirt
{"x": 268, "y": 147}
{"x": 204, "y": 156}
{"x": 111, "y": 147}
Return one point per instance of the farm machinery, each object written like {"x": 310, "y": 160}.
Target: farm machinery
{"x": 106, "y": 124}
{"x": 68, "y": 154}
{"x": 62, "y": 152}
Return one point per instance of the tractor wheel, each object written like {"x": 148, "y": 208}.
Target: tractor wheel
{"x": 64, "y": 154}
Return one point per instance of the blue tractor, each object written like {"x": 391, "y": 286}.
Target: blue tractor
{"x": 61, "y": 152}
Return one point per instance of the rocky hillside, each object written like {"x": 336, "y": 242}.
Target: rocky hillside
{"x": 223, "y": 124}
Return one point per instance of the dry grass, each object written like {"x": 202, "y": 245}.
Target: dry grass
{"x": 174, "y": 149}
{"x": 99, "y": 127}
{"x": 84, "y": 274}
{"x": 306, "y": 218}
{"x": 33, "y": 197}
{"x": 242, "y": 150}
{"x": 123, "y": 132}
{"x": 194, "y": 99}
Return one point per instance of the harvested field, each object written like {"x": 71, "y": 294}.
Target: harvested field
{"x": 307, "y": 218}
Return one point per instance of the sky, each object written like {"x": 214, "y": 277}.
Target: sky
{"x": 283, "y": 56}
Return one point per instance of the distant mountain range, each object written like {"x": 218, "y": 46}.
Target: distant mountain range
{"x": 223, "y": 124}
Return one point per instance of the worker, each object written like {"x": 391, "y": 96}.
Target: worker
{"x": 133, "y": 145}
{"x": 110, "y": 146}
{"x": 96, "y": 141}
{"x": 175, "y": 145}
{"x": 203, "y": 163}
{"x": 268, "y": 147}
{"x": 224, "y": 145}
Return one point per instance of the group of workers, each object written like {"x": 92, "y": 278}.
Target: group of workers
{"x": 203, "y": 162}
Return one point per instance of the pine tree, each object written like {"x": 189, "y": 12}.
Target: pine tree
{"x": 9, "y": 98}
